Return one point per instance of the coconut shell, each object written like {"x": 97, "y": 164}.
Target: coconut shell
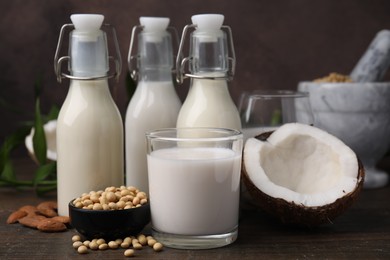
{"x": 291, "y": 213}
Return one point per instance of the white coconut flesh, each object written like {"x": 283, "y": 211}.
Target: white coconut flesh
{"x": 50, "y": 129}
{"x": 302, "y": 164}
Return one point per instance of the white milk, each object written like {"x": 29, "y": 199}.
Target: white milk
{"x": 209, "y": 104}
{"x": 89, "y": 142}
{"x": 194, "y": 191}
{"x": 154, "y": 105}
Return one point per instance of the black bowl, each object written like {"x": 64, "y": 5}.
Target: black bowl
{"x": 109, "y": 224}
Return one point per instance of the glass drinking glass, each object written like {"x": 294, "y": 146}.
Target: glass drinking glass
{"x": 194, "y": 185}
{"x": 263, "y": 111}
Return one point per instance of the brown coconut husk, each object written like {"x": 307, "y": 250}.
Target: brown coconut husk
{"x": 295, "y": 214}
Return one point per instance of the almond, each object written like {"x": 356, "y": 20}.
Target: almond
{"x": 47, "y": 208}
{"x": 31, "y": 221}
{"x": 15, "y": 216}
{"x": 30, "y": 210}
{"x": 50, "y": 225}
{"x": 62, "y": 219}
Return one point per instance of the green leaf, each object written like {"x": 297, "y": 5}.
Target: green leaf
{"x": 44, "y": 179}
{"x": 38, "y": 86}
{"x": 15, "y": 183}
{"x": 43, "y": 172}
{"x": 8, "y": 173}
{"x": 41, "y": 190}
{"x": 8, "y": 177}
{"x": 11, "y": 142}
{"x": 53, "y": 114}
{"x": 39, "y": 138}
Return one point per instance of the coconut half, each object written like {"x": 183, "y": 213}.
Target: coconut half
{"x": 301, "y": 174}
{"x": 50, "y": 129}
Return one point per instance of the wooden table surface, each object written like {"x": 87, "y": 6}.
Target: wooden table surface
{"x": 363, "y": 232}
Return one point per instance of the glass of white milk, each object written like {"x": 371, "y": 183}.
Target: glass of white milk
{"x": 194, "y": 186}
{"x": 265, "y": 110}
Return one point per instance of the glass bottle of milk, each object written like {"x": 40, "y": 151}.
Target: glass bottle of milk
{"x": 155, "y": 103}
{"x": 208, "y": 103}
{"x": 89, "y": 127}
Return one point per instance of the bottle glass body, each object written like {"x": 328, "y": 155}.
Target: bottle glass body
{"x": 89, "y": 142}
{"x": 154, "y": 105}
{"x": 208, "y": 104}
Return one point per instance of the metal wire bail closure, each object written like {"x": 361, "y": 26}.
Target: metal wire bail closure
{"x": 181, "y": 63}
{"x": 59, "y": 60}
{"x": 132, "y": 60}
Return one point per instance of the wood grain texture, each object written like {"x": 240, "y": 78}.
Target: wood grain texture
{"x": 363, "y": 232}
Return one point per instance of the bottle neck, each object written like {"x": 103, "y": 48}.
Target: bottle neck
{"x": 209, "y": 54}
{"x": 155, "y": 74}
{"x": 88, "y": 54}
{"x": 155, "y": 56}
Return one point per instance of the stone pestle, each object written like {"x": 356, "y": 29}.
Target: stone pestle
{"x": 375, "y": 62}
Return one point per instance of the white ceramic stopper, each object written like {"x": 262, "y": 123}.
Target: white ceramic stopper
{"x": 208, "y": 22}
{"x": 154, "y": 28}
{"x": 152, "y": 24}
{"x": 87, "y": 22}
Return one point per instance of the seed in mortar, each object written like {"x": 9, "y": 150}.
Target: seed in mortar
{"x": 334, "y": 77}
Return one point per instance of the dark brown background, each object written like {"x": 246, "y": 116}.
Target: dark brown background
{"x": 278, "y": 43}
